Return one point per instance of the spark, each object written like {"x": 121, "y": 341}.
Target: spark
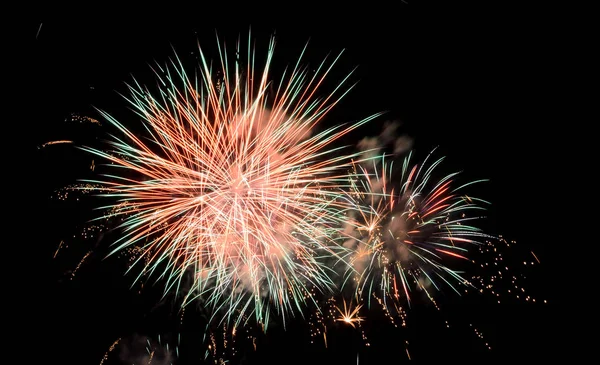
{"x": 349, "y": 315}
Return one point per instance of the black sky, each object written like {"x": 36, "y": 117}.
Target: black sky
{"x": 475, "y": 83}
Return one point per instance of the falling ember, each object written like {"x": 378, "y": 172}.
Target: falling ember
{"x": 536, "y": 259}
{"x": 59, "y": 247}
{"x": 79, "y": 264}
{"x": 480, "y": 335}
{"x": 110, "y": 349}
{"x": 54, "y": 142}
{"x": 151, "y": 357}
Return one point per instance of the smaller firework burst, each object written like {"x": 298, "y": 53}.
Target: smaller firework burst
{"x": 349, "y": 315}
{"x": 406, "y": 230}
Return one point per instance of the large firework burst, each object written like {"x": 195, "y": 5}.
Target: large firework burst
{"x": 234, "y": 187}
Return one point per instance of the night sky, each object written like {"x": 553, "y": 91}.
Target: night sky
{"x": 472, "y": 85}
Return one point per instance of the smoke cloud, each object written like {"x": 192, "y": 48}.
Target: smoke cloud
{"x": 389, "y": 139}
{"x": 143, "y": 350}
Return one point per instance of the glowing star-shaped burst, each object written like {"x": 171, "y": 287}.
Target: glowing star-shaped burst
{"x": 349, "y": 315}
{"x": 406, "y": 230}
{"x": 233, "y": 188}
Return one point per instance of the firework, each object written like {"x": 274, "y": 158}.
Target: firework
{"x": 405, "y": 229}
{"x": 237, "y": 196}
{"x": 232, "y": 194}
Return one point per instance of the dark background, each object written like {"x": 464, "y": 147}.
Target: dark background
{"x": 476, "y": 82}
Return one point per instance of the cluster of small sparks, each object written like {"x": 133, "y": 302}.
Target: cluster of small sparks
{"x": 80, "y": 189}
{"x": 88, "y": 232}
{"x": 500, "y": 278}
{"x": 319, "y": 320}
{"x": 479, "y": 334}
{"x": 110, "y": 349}
{"x": 78, "y": 118}
{"x": 236, "y": 192}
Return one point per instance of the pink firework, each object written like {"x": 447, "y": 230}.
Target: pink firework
{"x": 233, "y": 187}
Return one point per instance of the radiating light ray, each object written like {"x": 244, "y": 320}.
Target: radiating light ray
{"x": 349, "y": 315}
